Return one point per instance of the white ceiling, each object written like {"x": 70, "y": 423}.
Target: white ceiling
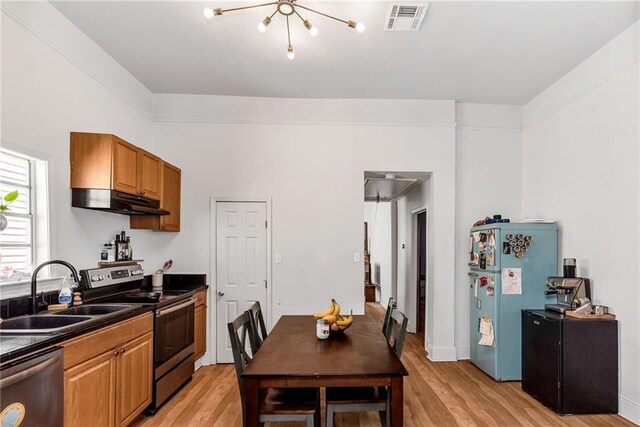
{"x": 503, "y": 52}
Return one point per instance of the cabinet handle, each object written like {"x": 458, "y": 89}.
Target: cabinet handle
{"x": 535, "y": 322}
{"x": 117, "y": 352}
{"x": 122, "y": 350}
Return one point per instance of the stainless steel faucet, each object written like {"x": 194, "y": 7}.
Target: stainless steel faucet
{"x": 34, "y": 306}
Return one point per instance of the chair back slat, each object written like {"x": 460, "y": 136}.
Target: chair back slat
{"x": 385, "y": 324}
{"x": 258, "y": 326}
{"x": 396, "y": 331}
{"x": 239, "y": 329}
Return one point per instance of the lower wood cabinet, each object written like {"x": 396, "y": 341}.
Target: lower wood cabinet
{"x": 200, "y": 325}
{"x": 108, "y": 374}
{"x": 90, "y": 392}
{"x": 134, "y": 381}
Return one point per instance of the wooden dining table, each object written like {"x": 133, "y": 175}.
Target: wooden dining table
{"x": 292, "y": 356}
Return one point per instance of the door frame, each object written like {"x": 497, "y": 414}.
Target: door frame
{"x": 413, "y": 316}
{"x": 210, "y": 356}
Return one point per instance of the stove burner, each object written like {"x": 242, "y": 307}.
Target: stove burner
{"x": 144, "y": 296}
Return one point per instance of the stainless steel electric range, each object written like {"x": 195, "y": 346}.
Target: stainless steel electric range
{"x": 173, "y": 331}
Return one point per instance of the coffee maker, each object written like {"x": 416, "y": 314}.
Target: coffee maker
{"x": 569, "y": 292}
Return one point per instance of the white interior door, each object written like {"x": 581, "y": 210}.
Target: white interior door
{"x": 241, "y": 273}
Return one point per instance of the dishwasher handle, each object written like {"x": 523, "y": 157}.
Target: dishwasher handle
{"x": 22, "y": 375}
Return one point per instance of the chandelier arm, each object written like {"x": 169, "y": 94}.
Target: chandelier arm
{"x": 296, "y": 12}
{"x": 323, "y": 14}
{"x": 248, "y": 7}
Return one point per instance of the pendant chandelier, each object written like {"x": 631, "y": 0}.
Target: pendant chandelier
{"x": 286, "y": 8}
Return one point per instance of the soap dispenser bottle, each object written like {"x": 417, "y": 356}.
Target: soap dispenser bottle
{"x": 65, "y": 294}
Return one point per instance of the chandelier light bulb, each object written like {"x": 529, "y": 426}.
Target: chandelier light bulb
{"x": 312, "y": 30}
{"x": 262, "y": 26}
{"x": 208, "y": 12}
{"x": 290, "y": 53}
{"x": 360, "y": 27}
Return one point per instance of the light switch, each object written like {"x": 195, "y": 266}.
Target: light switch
{"x": 278, "y": 258}
{"x": 356, "y": 257}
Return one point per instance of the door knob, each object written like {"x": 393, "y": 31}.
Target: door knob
{"x": 220, "y": 294}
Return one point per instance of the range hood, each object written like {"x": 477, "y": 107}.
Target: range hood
{"x": 115, "y": 201}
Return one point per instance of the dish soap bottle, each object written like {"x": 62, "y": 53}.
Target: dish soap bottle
{"x": 65, "y": 294}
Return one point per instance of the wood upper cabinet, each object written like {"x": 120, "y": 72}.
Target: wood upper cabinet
{"x": 150, "y": 175}
{"x": 105, "y": 161}
{"x": 108, "y": 374}
{"x": 170, "y": 188}
{"x": 125, "y": 164}
{"x": 200, "y": 325}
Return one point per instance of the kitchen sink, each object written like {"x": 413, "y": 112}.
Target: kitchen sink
{"x": 94, "y": 310}
{"x": 41, "y": 324}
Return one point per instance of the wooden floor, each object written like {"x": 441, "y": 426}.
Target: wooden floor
{"x": 435, "y": 394}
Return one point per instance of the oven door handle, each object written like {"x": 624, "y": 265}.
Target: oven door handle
{"x": 161, "y": 313}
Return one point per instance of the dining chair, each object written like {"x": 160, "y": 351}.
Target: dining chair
{"x": 258, "y": 326}
{"x": 276, "y": 405}
{"x": 364, "y": 399}
{"x": 390, "y": 306}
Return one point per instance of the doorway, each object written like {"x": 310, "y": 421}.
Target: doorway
{"x": 421, "y": 271}
{"x": 241, "y": 265}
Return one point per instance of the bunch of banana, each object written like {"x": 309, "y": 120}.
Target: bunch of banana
{"x": 332, "y": 315}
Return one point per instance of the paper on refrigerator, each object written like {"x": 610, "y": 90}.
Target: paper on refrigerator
{"x": 487, "y": 337}
{"x": 512, "y": 281}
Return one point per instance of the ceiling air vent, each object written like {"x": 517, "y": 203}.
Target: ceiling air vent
{"x": 405, "y": 16}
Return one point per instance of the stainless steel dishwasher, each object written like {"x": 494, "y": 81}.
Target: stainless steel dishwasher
{"x": 31, "y": 390}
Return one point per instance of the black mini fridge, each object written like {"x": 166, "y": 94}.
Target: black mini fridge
{"x": 570, "y": 365}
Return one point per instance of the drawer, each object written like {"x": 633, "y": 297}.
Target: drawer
{"x": 92, "y": 344}
{"x": 201, "y": 297}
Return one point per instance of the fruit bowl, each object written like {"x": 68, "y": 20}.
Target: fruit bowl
{"x": 337, "y": 323}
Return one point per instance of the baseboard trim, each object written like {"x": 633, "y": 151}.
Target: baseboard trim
{"x": 463, "y": 353}
{"x": 441, "y": 354}
{"x": 629, "y": 409}
{"x": 204, "y": 361}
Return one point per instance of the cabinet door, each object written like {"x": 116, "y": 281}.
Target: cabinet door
{"x": 125, "y": 167}
{"x": 150, "y": 175}
{"x": 90, "y": 392}
{"x": 200, "y": 328}
{"x": 135, "y": 364}
{"x": 170, "y": 198}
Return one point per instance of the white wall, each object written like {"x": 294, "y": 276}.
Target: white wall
{"x": 55, "y": 80}
{"x": 419, "y": 198}
{"x": 580, "y": 165}
{"x": 378, "y": 217}
{"x": 313, "y": 173}
{"x": 488, "y": 182}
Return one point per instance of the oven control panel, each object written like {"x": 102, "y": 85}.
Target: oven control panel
{"x": 100, "y": 277}
{"x": 119, "y": 274}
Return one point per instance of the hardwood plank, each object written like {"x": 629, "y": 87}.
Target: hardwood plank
{"x": 435, "y": 394}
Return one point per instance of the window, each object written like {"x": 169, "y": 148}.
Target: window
{"x": 24, "y": 243}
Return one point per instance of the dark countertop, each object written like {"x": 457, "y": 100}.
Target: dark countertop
{"x": 180, "y": 282}
{"x": 554, "y": 315}
{"x": 13, "y": 346}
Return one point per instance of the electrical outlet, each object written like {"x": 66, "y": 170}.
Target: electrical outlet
{"x": 356, "y": 257}
{"x": 278, "y": 258}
